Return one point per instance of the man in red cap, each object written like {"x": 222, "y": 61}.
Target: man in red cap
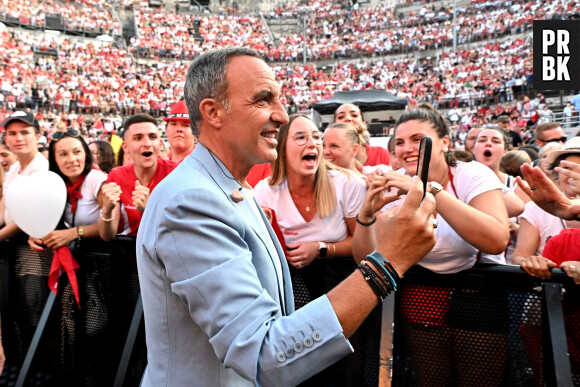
{"x": 178, "y": 131}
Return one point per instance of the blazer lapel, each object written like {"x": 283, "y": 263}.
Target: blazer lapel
{"x": 227, "y": 184}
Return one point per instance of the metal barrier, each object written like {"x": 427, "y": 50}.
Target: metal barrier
{"x": 68, "y": 345}
{"x": 490, "y": 325}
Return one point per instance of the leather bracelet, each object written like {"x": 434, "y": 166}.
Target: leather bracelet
{"x": 106, "y": 220}
{"x": 386, "y": 264}
{"x": 378, "y": 261}
{"x": 371, "y": 282}
{"x": 366, "y": 224}
{"x": 385, "y": 286}
{"x": 385, "y": 277}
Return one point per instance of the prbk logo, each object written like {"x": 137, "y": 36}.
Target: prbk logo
{"x": 556, "y": 54}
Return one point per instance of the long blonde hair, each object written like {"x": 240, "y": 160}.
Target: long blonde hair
{"x": 324, "y": 192}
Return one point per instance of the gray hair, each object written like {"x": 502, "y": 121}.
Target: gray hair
{"x": 206, "y": 78}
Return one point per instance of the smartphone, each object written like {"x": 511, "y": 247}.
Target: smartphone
{"x": 424, "y": 160}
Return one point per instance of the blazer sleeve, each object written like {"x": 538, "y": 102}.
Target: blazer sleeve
{"x": 209, "y": 251}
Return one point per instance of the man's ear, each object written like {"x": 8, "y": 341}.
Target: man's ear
{"x": 212, "y": 112}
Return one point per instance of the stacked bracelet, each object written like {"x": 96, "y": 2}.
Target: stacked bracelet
{"x": 372, "y": 279}
{"x": 366, "y": 224}
{"x": 383, "y": 278}
{"x": 104, "y": 219}
{"x": 385, "y": 264}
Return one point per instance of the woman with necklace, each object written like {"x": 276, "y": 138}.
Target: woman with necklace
{"x": 315, "y": 202}
{"x": 471, "y": 217}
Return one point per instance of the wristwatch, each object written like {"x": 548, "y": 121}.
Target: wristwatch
{"x": 322, "y": 250}
{"x": 80, "y": 232}
{"x": 435, "y": 187}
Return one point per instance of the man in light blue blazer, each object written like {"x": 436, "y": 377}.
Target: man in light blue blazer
{"x": 216, "y": 289}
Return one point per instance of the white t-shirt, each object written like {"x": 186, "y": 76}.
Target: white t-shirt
{"x": 350, "y": 192}
{"x": 38, "y": 164}
{"x": 88, "y": 206}
{"x": 451, "y": 253}
{"x": 547, "y": 224}
{"x": 509, "y": 186}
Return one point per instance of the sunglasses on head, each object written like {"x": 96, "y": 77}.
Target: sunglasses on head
{"x": 71, "y": 133}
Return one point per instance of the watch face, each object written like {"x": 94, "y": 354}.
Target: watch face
{"x": 322, "y": 252}
{"x": 435, "y": 187}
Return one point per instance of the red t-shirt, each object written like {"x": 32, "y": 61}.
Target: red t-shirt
{"x": 125, "y": 177}
{"x": 377, "y": 155}
{"x": 258, "y": 172}
{"x": 563, "y": 247}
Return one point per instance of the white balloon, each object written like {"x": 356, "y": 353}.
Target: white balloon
{"x": 36, "y": 202}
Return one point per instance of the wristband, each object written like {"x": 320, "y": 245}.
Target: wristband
{"x": 366, "y": 224}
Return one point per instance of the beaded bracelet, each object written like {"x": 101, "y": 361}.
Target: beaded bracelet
{"x": 366, "y": 224}
{"x": 104, "y": 219}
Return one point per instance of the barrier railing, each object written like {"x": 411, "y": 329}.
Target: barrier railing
{"x": 490, "y": 324}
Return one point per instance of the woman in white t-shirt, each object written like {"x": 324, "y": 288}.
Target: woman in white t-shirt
{"x": 315, "y": 205}
{"x": 315, "y": 202}
{"x": 537, "y": 226}
{"x": 489, "y": 148}
{"x": 471, "y": 217}
{"x": 84, "y": 312}
{"x": 70, "y": 158}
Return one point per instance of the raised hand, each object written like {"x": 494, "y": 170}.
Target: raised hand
{"x": 542, "y": 190}
{"x": 140, "y": 196}
{"x": 111, "y": 193}
{"x": 407, "y": 236}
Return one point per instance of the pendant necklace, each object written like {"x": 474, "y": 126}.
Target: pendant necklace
{"x": 307, "y": 205}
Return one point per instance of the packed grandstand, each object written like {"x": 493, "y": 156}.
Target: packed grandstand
{"x": 81, "y": 58}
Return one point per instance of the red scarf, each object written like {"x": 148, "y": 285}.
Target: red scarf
{"x": 63, "y": 260}
{"x": 74, "y": 193}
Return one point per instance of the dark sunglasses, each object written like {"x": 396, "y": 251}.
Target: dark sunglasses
{"x": 561, "y": 139}
{"x": 70, "y": 133}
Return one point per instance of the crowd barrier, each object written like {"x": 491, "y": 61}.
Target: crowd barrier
{"x": 490, "y": 325}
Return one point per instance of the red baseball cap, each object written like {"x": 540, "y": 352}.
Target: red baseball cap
{"x": 178, "y": 112}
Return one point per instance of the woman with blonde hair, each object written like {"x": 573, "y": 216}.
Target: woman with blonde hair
{"x": 368, "y": 154}
{"x": 342, "y": 144}
{"x": 315, "y": 203}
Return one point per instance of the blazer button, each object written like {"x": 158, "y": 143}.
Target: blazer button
{"x": 317, "y": 336}
{"x": 308, "y": 342}
{"x": 298, "y": 347}
{"x": 289, "y": 352}
{"x": 281, "y": 357}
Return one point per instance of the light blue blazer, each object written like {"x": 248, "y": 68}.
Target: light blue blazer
{"x": 211, "y": 295}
